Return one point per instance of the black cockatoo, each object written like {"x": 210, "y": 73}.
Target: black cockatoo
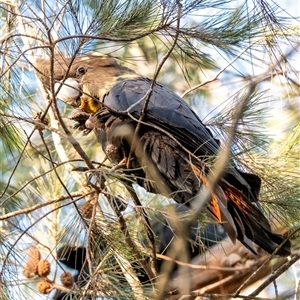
{"x": 174, "y": 150}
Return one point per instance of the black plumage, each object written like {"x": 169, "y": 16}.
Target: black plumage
{"x": 174, "y": 150}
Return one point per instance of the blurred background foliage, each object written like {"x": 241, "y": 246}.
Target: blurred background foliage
{"x": 220, "y": 47}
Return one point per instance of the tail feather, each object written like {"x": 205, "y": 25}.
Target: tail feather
{"x": 251, "y": 223}
{"x": 225, "y": 217}
{"x": 232, "y": 204}
{"x": 248, "y": 183}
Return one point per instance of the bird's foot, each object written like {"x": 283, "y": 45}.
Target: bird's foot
{"x": 80, "y": 117}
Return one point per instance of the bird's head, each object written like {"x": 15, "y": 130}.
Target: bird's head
{"x": 82, "y": 82}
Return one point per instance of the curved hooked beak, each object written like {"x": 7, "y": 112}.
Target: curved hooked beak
{"x": 68, "y": 91}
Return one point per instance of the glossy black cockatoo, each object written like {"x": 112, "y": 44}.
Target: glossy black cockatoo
{"x": 174, "y": 150}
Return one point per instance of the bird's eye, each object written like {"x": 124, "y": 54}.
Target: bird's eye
{"x": 81, "y": 71}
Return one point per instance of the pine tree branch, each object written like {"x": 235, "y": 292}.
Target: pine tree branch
{"x": 32, "y": 208}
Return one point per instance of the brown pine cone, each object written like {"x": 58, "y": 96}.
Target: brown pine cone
{"x": 43, "y": 268}
{"x": 34, "y": 254}
{"x": 30, "y": 269}
{"x": 44, "y": 287}
{"x": 67, "y": 279}
{"x": 87, "y": 210}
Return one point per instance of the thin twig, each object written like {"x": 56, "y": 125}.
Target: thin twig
{"x": 221, "y": 159}
{"x": 67, "y": 137}
{"x": 89, "y": 231}
{"x": 220, "y": 72}
{"x": 149, "y": 92}
{"x": 205, "y": 193}
{"x": 53, "y": 165}
{"x": 40, "y": 205}
{"x": 223, "y": 295}
{"x": 57, "y": 165}
{"x": 245, "y": 283}
{"x": 15, "y": 167}
{"x": 13, "y": 245}
{"x": 273, "y": 276}
{"x": 135, "y": 252}
{"x": 150, "y": 236}
{"x": 203, "y": 267}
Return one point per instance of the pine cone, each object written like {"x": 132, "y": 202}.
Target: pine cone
{"x": 44, "y": 287}
{"x": 67, "y": 279}
{"x": 34, "y": 254}
{"x": 87, "y": 210}
{"x": 43, "y": 268}
{"x": 30, "y": 269}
